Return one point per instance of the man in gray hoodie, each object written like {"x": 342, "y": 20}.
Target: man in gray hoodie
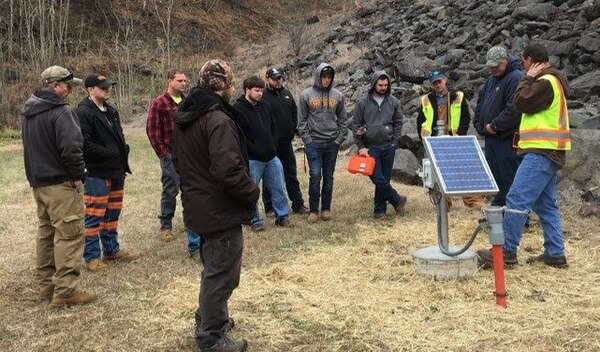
{"x": 322, "y": 125}
{"x": 52, "y": 147}
{"x": 376, "y": 125}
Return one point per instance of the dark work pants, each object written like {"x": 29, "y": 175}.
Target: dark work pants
{"x": 222, "y": 256}
{"x": 285, "y": 153}
{"x": 504, "y": 162}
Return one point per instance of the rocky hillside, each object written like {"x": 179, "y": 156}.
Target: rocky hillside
{"x": 408, "y": 39}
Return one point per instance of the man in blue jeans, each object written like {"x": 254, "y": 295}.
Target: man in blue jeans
{"x": 544, "y": 138}
{"x": 377, "y": 125}
{"x": 497, "y": 120}
{"x": 257, "y": 123}
{"x": 323, "y": 126}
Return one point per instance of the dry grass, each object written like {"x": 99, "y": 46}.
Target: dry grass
{"x": 344, "y": 285}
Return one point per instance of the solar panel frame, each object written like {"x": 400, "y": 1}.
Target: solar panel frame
{"x": 459, "y": 165}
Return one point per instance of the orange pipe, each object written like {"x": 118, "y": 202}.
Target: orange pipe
{"x": 498, "y": 258}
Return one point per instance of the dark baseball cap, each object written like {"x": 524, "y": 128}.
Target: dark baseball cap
{"x": 435, "y": 75}
{"x": 97, "y": 80}
{"x": 274, "y": 73}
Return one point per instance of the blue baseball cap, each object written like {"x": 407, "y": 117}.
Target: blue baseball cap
{"x": 435, "y": 75}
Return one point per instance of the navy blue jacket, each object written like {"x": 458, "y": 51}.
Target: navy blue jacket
{"x": 495, "y": 102}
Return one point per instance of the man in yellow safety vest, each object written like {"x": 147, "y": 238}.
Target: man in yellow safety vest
{"x": 450, "y": 106}
{"x": 544, "y": 138}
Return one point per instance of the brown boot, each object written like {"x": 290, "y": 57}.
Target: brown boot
{"x": 122, "y": 256}
{"x": 399, "y": 208}
{"x": 95, "y": 265}
{"x": 326, "y": 215}
{"x": 313, "y": 217}
{"x": 474, "y": 202}
{"x": 76, "y": 297}
{"x": 45, "y": 293}
{"x": 166, "y": 235}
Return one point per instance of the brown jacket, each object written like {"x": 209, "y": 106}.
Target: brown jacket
{"x": 210, "y": 155}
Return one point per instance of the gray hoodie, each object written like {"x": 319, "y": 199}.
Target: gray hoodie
{"x": 383, "y": 122}
{"x": 322, "y": 115}
{"x": 52, "y": 141}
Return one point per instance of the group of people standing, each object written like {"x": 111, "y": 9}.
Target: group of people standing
{"x": 216, "y": 154}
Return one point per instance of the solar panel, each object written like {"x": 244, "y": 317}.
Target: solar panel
{"x": 460, "y": 166}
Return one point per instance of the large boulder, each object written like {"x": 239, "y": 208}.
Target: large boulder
{"x": 405, "y": 167}
{"x": 583, "y": 161}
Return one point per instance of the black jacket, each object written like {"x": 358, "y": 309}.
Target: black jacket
{"x": 465, "y": 114}
{"x": 51, "y": 141}
{"x": 285, "y": 113}
{"x": 258, "y": 125}
{"x": 104, "y": 149}
{"x": 209, "y": 155}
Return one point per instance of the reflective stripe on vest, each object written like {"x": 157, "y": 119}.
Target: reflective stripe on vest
{"x": 455, "y": 110}
{"x": 549, "y": 128}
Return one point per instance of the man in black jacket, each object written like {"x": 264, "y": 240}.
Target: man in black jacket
{"x": 209, "y": 153}
{"x": 258, "y": 125}
{"x": 285, "y": 113}
{"x": 54, "y": 167}
{"x": 105, "y": 154}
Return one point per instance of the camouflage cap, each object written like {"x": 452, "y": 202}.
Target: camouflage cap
{"x": 59, "y": 74}
{"x": 217, "y": 75}
{"x": 495, "y": 55}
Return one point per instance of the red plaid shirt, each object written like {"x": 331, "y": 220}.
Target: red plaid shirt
{"x": 161, "y": 123}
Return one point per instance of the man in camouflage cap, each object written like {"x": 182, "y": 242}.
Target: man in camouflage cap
{"x": 52, "y": 146}
{"x": 497, "y": 120}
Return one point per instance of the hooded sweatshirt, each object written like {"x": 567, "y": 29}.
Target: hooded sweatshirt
{"x": 258, "y": 126}
{"x": 52, "y": 141}
{"x": 322, "y": 114}
{"x": 534, "y": 95}
{"x": 495, "y": 102}
{"x": 209, "y": 154}
{"x": 383, "y": 122}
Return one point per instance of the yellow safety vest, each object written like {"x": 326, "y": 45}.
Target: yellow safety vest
{"x": 453, "y": 114}
{"x": 549, "y": 128}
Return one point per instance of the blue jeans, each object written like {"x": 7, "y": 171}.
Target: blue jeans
{"x": 103, "y": 200}
{"x": 168, "y": 201}
{"x": 286, "y": 155}
{"x": 384, "y": 192}
{"x": 271, "y": 172}
{"x": 534, "y": 188}
{"x": 321, "y": 163}
{"x": 504, "y": 162}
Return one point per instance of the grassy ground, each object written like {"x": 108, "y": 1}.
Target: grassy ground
{"x": 345, "y": 285}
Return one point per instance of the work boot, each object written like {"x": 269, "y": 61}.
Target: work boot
{"x": 379, "y": 216}
{"x": 45, "y": 293}
{"x": 486, "y": 261}
{"x": 326, "y": 215}
{"x": 122, "y": 256}
{"x": 75, "y": 298}
{"x": 225, "y": 344}
{"x": 313, "y": 217}
{"x": 283, "y": 222}
{"x": 95, "y": 265}
{"x": 257, "y": 227}
{"x": 300, "y": 210}
{"x": 399, "y": 208}
{"x": 166, "y": 235}
{"x": 559, "y": 262}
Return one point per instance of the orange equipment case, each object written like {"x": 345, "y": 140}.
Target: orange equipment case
{"x": 363, "y": 165}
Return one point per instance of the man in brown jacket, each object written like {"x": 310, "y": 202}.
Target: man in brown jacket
{"x": 209, "y": 153}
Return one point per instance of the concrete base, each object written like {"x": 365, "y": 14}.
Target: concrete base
{"x": 432, "y": 262}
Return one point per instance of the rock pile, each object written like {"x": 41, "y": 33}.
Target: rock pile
{"x": 409, "y": 38}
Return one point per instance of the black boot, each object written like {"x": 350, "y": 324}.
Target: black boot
{"x": 225, "y": 344}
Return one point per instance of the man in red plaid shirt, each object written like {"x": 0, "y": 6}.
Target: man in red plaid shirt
{"x": 159, "y": 129}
